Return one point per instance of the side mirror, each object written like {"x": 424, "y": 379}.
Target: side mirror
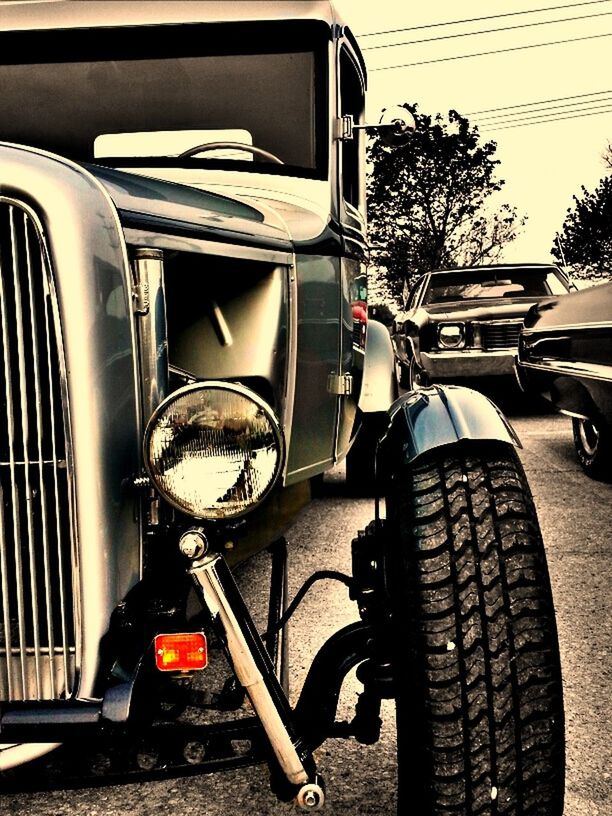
{"x": 396, "y": 126}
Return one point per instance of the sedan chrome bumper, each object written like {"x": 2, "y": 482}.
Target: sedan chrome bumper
{"x": 468, "y": 363}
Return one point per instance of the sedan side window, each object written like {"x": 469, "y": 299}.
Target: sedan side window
{"x": 415, "y": 294}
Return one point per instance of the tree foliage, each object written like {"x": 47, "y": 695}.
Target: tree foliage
{"x": 586, "y": 235}
{"x": 428, "y": 200}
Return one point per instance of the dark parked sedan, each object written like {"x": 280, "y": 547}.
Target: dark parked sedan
{"x": 565, "y": 355}
{"x": 466, "y": 322}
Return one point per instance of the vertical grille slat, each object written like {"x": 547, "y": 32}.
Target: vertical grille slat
{"x": 38, "y": 401}
{"x": 56, "y": 490}
{"x": 37, "y": 546}
{"x": 18, "y": 270}
{"x": 498, "y": 336}
{"x": 6, "y": 614}
{"x": 10, "y": 446}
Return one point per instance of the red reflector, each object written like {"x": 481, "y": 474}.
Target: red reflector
{"x": 181, "y": 652}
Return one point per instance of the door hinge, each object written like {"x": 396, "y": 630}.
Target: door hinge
{"x": 343, "y": 128}
{"x": 340, "y": 384}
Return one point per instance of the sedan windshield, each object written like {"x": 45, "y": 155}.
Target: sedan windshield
{"x": 470, "y": 284}
{"x": 113, "y": 94}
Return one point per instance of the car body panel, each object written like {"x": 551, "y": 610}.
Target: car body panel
{"x": 565, "y": 353}
{"x": 88, "y": 261}
{"x": 442, "y": 415}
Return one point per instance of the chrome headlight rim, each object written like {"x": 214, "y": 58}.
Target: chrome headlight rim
{"x": 219, "y": 385}
{"x": 454, "y": 324}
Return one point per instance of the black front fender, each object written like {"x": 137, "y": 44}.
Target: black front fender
{"x": 440, "y": 415}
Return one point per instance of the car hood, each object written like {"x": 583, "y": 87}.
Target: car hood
{"x": 150, "y": 203}
{"x": 482, "y": 309}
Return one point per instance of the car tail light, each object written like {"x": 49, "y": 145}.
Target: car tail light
{"x": 185, "y": 651}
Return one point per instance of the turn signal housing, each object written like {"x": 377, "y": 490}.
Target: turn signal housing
{"x": 183, "y": 651}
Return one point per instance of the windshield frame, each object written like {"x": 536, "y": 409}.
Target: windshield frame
{"x": 168, "y": 41}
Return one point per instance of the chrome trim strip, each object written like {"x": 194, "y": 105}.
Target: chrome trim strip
{"x": 157, "y": 240}
{"x": 594, "y": 371}
{"x": 547, "y": 339}
{"x": 511, "y": 321}
{"x": 602, "y": 324}
{"x": 148, "y": 271}
{"x": 459, "y": 354}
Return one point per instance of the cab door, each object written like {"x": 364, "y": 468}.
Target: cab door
{"x": 351, "y": 194}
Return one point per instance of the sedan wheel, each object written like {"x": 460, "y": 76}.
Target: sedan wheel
{"x": 593, "y": 443}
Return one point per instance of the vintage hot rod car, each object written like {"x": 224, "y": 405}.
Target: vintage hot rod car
{"x": 565, "y": 355}
{"x": 184, "y": 346}
{"x": 465, "y": 322}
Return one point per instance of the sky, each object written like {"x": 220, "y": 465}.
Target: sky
{"x": 543, "y": 164}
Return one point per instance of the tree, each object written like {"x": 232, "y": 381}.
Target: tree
{"x": 607, "y": 156}
{"x": 428, "y": 200}
{"x": 586, "y": 235}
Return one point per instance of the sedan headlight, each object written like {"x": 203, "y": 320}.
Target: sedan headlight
{"x": 451, "y": 335}
{"x": 213, "y": 449}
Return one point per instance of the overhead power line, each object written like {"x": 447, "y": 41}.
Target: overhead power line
{"x": 537, "y": 102}
{"x": 542, "y": 115}
{"x": 481, "y": 19}
{"x": 545, "y": 121}
{"x": 549, "y": 109}
{"x": 487, "y": 31}
{"x": 490, "y": 53}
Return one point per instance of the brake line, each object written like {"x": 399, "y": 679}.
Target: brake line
{"x": 320, "y": 575}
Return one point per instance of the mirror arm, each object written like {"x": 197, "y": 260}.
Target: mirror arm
{"x": 393, "y": 131}
{"x": 345, "y": 128}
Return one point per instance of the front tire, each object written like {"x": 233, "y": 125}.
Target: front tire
{"x": 593, "y": 443}
{"x": 478, "y": 680}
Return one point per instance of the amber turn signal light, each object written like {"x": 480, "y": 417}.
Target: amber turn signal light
{"x": 184, "y": 651}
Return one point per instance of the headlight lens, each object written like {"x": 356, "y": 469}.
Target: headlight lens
{"x": 451, "y": 335}
{"x": 214, "y": 449}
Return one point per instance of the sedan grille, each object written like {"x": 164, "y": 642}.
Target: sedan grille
{"x": 37, "y": 546}
{"x": 497, "y": 336}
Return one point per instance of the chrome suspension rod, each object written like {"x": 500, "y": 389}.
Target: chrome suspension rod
{"x": 251, "y": 661}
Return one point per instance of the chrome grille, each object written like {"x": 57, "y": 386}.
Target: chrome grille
{"x": 38, "y": 604}
{"x": 500, "y": 335}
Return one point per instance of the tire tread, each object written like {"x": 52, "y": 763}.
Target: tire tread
{"x": 480, "y": 648}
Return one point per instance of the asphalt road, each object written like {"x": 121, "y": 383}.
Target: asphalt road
{"x": 576, "y": 522}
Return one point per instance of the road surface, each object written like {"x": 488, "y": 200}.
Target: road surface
{"x": 576, "y": 522}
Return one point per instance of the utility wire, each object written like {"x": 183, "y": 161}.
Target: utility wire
{"x": 538, "y": 115}
{"x": 551, "y": 108}
{"x": 480, "y": 19}
{"x": 487, "y": 31}
{"x": 538, "y": 102}
{"x": 489, "y": 53}
{"x": 544, "y": 121}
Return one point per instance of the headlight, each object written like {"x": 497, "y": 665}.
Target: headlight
{"x": 451, "y": 336}
{"x": 214, "y": 449}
